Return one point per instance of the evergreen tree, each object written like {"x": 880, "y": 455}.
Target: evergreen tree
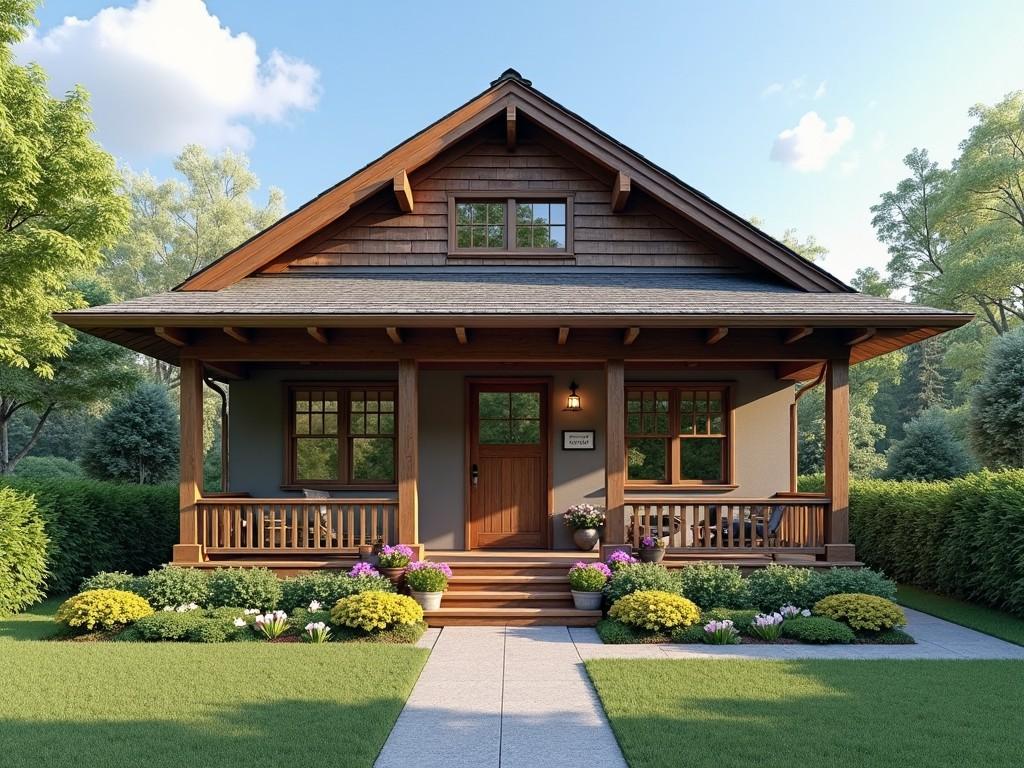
{"x": 137, "y": 441}
{"x": 997, "y": 411}
{"x": 930, "y": 450}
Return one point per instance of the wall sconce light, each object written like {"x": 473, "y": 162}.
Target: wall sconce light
{"x": 573, "y": 402}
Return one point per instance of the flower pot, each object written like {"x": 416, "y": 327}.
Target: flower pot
{"x": 586, "y": 538}
{"x": 368, "y": 554}
{"x": 428, "y": 601}
{"x": 587, "y": 601}
{"x": 652, "y": 555}
{"x": 394, "y": 575}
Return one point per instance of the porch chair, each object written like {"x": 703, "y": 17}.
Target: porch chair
{"x": 311, "y": 493}
{"x": 756, "y": 525}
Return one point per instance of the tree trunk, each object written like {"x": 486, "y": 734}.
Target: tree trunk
{"x": 8, "y": 462}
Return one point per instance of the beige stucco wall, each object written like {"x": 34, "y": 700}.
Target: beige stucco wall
{"x": 760, "y": 402}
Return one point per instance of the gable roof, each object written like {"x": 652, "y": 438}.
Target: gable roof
{"x": 512, "y": 90}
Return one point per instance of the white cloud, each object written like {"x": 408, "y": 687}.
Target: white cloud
{"x": 820, "y": 90}
{"x": 810, "y": 145}
{"x": 878, "y": 142}
{"x": 771, "y": 90}
{"x": 167, "y": 72}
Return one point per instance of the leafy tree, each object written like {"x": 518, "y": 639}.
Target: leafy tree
{"x": 997, "y": 410}
{"x": 48, "y": 468}
{"x": 809, "y": 247}
{"x": 929, "y": 451}
{"x": 59, "y": 204}
{"x": 137, "y": 441}
{"x": 870, "y": 281}
{"x": 91, "y": 372}
{"x": 64, "y": 436}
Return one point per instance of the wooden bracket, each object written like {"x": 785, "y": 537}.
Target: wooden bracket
{"x": 461, "y": 335}
{"x": 176, "y": 336}
{"x": 795, "y": 334}
{"x": 861, "y": 335}
{"x": 241, "y": 335}
{"x": 394, "y": 334}
{"x": 630, "y": 335}
{"x": 510, "y": 127}
{"x": 563, "y": 335}
{"x": 715, "y": 335}
{"x": 403, "y": 191}
{"x": 620, "y": 191}
{"x": 320, "y": 334}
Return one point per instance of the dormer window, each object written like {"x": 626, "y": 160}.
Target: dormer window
{"x": 519, "y": 225}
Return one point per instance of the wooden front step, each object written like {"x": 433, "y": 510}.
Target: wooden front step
{"x": 496, "y": 568}
{"x": 507, "y": 599}
{"x": 491, "y": 583}
{"x": 511, "y": 617}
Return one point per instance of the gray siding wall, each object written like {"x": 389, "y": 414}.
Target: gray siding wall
{"x": 761, "y": 406}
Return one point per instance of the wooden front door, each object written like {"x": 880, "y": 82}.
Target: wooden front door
{"x": 508, "y": 464}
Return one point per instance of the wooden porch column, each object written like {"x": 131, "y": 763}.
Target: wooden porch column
{"x": 837, "y": 459}
{"x": 615, "y": 454}
{"x": 190, "y": 485}
{"x": 408, "y": 453}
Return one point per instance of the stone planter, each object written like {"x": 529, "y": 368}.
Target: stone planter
{"x": 587, "y": 601}
{"x": 428, "y": 601}
{"x": 394, "y": 575}
{"x": 586, "y": 538}
{"x": 652, "y": 555}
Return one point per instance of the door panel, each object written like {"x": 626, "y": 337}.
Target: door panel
{"x": 509, "y": 451}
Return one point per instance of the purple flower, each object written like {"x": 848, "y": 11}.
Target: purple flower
{"x": 647, "y": 542}
{"x": 620, "y": 558}
{"x": 423, "y": 565}
{"x": 363, "y": 569}
{"x": 398, "y": 549}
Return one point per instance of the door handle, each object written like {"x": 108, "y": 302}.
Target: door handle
{"x": 474, "y": 475}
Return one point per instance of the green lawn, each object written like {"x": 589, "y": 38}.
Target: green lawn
{"x": 727, "y": 713}
{"x": 107, "y": 705}
{"x": 987, "y": 620}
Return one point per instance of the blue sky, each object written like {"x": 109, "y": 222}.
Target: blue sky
{"x": 703, "y": 91}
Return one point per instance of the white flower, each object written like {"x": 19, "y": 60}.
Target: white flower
{"x": 314, "y": 605}
{"x": 251, "y": 611}
{"x": 805, "y": 612}
{"x": 169, "y": 609}
{"x": 239, "y": 622}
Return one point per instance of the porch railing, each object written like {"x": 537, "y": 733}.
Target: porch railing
{"x": 293, "y": 526}
{"x": 789, "y": 524}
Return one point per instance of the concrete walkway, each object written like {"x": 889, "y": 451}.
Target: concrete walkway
{"x": 515, "y": 697}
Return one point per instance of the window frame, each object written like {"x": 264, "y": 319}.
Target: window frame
{"x": 344, "y": 436}
{"x": 509, "y": 199}
{"x": 674, "y": 438}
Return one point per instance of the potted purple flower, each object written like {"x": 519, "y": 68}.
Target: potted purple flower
{"x": 392, "y": 561}
{"x": 585, "y": 520}
{"x": 652, "y": 550}
{"x": 587, "y": 580}
{"x": 427, "y": 581}
{"x": 620, "y": 558}
{"x": 368, "y": 553}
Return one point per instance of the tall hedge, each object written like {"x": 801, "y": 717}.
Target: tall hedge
{"x": 963, "y": 537}
{"x": 95, "y": 526}
{"x": 23, "y": 546}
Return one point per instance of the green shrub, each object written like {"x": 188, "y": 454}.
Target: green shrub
{"x": 327, "y": 588}
{"x": 23, "y": 547}
{"x": 691, "y": 634}
{"x": 102, "y": 609}
{"x": 777, "y": 585}
{"x": 654, "y": 610}
{"x": 712, "y": 586}
{"x": 173, "y": 585}
{"x": 429, "y": 577}
{"x": 191, "y": 626}
{"x": 838, "y": 581}
{"x": 863, "y": 613}
{"x": 112, "y": 580}
{"x": 249, "y": 587}
{"x": 47, "y": 468}
{"x": 614, "y": 632}
{"x": 930, "y": 450}
{"x": 400, "y": 634}
{"x": 96, "y": 527}
{"x": 637, "y": 577}
{"x": 588, "y": 577}
{"x": 741, "y": 618}
{"x": 818, "y": 630}
{"x": 886, "y": 637}
{"x": 300, "y": 617}
{"x": 375, "y": 611}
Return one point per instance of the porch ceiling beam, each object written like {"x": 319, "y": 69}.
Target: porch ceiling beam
{"x": 563, "y": 335}
{"x": 176, "y": 336}
{"x": 715, "y": 335}
{"x": 794, "y": 335}
{"x": 221, "y": 370}
{"x": 630, "y": 335}
{"x": 394, "y": 334}
{"x": 319, "y": 334}
{"x": 510, "y": 127}
{"x": 403, "y": 191}
{"x": 461, "y": 334}
{"x": 620, "y": 191}
{"x": 241, "y": 335}
{"x": 803, "y": 370}
{"x": 861, "y": 335}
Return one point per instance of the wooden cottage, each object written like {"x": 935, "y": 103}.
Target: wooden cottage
{"x": 507, "y": 314}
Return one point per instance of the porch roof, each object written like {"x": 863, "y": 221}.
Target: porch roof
{"x": 435, "y": 293}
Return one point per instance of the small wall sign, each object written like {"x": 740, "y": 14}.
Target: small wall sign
{"x": 578, "y": 440}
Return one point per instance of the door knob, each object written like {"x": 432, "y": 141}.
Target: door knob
{"x": 474, "y": 475}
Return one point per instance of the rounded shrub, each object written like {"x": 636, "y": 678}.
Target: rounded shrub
{"x": 639, "y": 576}
{"x": 327, "y": 588}
{"x": 112, "y": 580}
{"x": 863, "y": 613}
{"x": 655, "y": 610}
{"x": 248, "y": 587}
{"x": 838, "y": 581}
{"x": 712, "y": 586}
{"x": 103, "y": 609}
{"x": 172, "y": 585}
{"x": 819, "y": 630}
{"x": 588, "y": 577}
{"x": 23, "y": 550}
{"x": 376, "y": 611}
{"x": 776, "y": 585}
{"x": 741, "y": 618}
{"x": 196, "y": 626}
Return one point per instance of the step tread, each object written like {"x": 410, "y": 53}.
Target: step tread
{"x": 510, "y": 612}
{"x": 499, "y": 579}
{"x": 510, "y": 595}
